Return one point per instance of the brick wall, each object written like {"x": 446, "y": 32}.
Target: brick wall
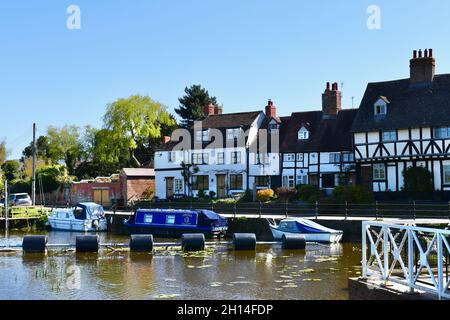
{"x": 136, "y": 187}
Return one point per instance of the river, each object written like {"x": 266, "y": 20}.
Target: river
{"x": 319, "y": 272}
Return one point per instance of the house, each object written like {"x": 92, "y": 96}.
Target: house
{"x": 101, "y": 190}
{"x": 404, "y": 123}
{"x": 316, "y": 146}
{"x": 137, "y": 183}
{"x": 219, "y": 155}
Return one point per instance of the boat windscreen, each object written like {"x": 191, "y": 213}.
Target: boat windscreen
{"x": 211, "y": 215}
{"x": 311, "y": 226}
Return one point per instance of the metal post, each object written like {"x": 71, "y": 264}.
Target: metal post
{"x": 385, "y": 253}
{"x": 317, "y": 210}
{"x": 33, "y": 178}
{"x": 410, "y": 261}
{"x": 440, "y": 266}
{"x": 364, "y": 249}
{"x": 6, "y": 206}
{"x": 346, "y": 210}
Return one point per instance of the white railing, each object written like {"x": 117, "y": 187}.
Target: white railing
{"x": 405, "y": 254}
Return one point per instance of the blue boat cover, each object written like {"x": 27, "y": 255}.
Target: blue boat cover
{"x": 308, "y": 226}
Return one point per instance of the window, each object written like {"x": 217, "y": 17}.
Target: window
{"x": 261, "y": 181}
{"x": 335, "y": 158}
{"x": 380, "y": 109}
{"x": 302, "y": 179}
{"x": 379, "y": 171}
{"x": 262, "y": 158}
{"x": 442, "y": 133}
{"x": 389, "y": 136}
{"x": 148, "y": 218}
{"x": 202, "y": 136}
{"x": 200, "y": 158}
{"x": 172, "y": 156}
{"x": 348, "y": 157}
{"x": 236, "y": 182}
{"x": 446, "y": 174}
{"x": 178, "y": 186}
{"x": 288, "y": 182}
{"x": 303, "y": 134}
{"x": 236, "y": 157}
{"x": 273, "y": 126}
{"x": 170, "y": 219}
{"x": 289, "y": 157}
{"x": 233, "y": 133}
{"x": 221, "y": 158}
{"x": 200, "y": 183}
{"x": 299, "y": 157}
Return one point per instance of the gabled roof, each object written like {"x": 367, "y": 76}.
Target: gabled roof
{"x": 421, "y": 105}
{"x": 326, "y": 133}
{"x": 230, "y": 120}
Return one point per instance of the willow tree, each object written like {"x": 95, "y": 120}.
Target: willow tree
{"x": 136, "y": 121}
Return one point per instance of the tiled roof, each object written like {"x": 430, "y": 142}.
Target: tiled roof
{"x": 230, "y": 120}
{"x": 138, "y": 172}
{"x": 409, "y": 106}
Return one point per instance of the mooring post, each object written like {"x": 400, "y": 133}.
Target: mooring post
{"x": 317, "y": 210}
{"x": 376, "y": 210}
{"x": 346, "y": 210}
{"x": 235, "y": 209}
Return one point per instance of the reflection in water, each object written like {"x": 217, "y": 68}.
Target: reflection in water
{"x": 319, "y": 272}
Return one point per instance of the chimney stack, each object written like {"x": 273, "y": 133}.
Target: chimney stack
{"x": 209, "y": 110}
{"x": 218, "y": 110}
{"x": 331, "y": 100}
{"x": 166, "y": 139}
{"x": 422, "y": 69}
{"x": 271, "y": 110}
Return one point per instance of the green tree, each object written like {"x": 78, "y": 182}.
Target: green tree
{"x": 3, "y": 152}
{"x": 192, "y": 104}
{"x": 11, "y": 170}
{"x": 64, "y": 144}
{"x": 135, "y": 121}
{"x": 42, "y": 149}
{"x": 418, "y": 182}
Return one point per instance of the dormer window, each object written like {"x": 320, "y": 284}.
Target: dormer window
{"x": 303, "y": 134}
{"x": 380, "y": 107}
{"x": 273, "y": 126}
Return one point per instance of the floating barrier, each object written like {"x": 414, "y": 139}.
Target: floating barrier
{"x": 34, "y": 244}
{"x": 293, "y": 242}
{"x": 193, "y": 242}
{"x": 141, "y": 243}
{"x": 244, "y": 241}
{"x": 86, "y": 243}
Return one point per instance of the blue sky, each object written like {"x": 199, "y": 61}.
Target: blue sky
{"x": 243, "y": 52}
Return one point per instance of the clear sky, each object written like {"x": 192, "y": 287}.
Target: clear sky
{"x": 243, "y": 51}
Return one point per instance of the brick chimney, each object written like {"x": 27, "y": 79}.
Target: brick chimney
{"x": 331, "y": 100}
{"x": 218, "y": 110}
{"x": 271, "y": 110}
{"x": 422, "y": 68}
{"x": 166, "y": 139}
{"x": 209, "y": 110}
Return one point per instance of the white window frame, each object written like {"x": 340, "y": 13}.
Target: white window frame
{"x": 221, "y": 158}
{"x": 289, "y": 157}
{"x": 389, "y": 136}
{"x": 380, "y": 109}
{"x": 442, "y": 132}
{"x": 202, "y": 136}
{"x": 172, "y": 156}
{"x": 303, "y": 134}
{"x": 262, "y": 158}
{"x": 334, "y": 157}
{"x": 300, "y": 157}
{"x": 446, "y": 174}
{"x": 233, "y": 133}
{"x": 236, "y": 157}
{"x": 379, "y": 172}
{"x": 178, "y": 186}
{"x": 288, "y": 181}
{"x": 302, "y": 179}
{"x": 348, "y": 157}
{"x": 200, "y": 158}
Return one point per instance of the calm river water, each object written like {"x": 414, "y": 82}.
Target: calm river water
{"x": 320, "y": 272}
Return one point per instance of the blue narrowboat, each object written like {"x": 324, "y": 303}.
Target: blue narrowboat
{"x": 173, "y": 223}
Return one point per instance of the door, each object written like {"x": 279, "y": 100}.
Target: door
{"x": 169, "y": 188}
{"x": 101, "y": 196}
{"x": 221, "y": 186}
{"x": 327, "y": 181}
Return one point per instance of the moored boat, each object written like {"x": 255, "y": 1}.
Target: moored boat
{"x": 173, "y": 223}
{"x": 312, "y": 231}
{"x": 84, "y": 217}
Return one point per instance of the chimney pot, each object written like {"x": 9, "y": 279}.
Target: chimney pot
{"x": 415, "y": 54}
{"x": 422, "y": 69}
{"x": 331, "y": 101}
{"x": 328, "y": 86}
{"x": 271, "y": 109}
{"x": 420, "y": 53}
{"x": 426, "y": 53}
{"x": 430, "y": 53}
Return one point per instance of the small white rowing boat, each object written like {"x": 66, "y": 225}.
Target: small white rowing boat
{"x": 84, "y": 217}
{"x": 312, "y": 231}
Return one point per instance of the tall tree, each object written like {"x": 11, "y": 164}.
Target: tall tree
{"x": 42, "y": 148}
{"x": 11, "y": 170}
{"x": 3, "y": 152}
{"x": 135, "y": 121}
{"x": 192, "y": 104}
{"x": 64, "y": 144}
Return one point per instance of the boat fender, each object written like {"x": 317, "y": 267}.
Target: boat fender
{"x": 34, "y": 244}
{"x": 193, "y": 242}
{"x": 86, "y": 243}
{"x": 293, "y": 242}
{"x": 141, "y": 243}
{"x": 244, "y": 241}
{"x": 95, "y": 224}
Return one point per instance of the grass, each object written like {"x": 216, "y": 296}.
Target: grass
{"x": 25, "y": 212}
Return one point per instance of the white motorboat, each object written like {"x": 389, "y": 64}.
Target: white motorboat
{"x": 312, "y": 231}
{"x": 84, "y": 217}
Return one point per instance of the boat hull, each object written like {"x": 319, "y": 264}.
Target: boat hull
{"x": 326, "y": 237}
{"x": 175, "y": 232}
{"x": 77, "y": 225}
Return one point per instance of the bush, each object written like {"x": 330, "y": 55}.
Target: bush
{"x": 201, "y": 194}
{"x": 212, "y": 194}
{"x": 307, "y": 193}
{"x": 418, "y": 182}
{"x": 352, "y": 194}
{"x": 265, "y": 195}
{"x": 247, "y": 196}
{"x": 286, "y": 194}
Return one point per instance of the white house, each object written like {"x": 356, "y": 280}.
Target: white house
{"x": 316, "y": 146}
{"x": 219, "y": 155}
{"x": 404, "y": 123}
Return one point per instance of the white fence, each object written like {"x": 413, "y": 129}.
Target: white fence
{"x": 412, "y": 256}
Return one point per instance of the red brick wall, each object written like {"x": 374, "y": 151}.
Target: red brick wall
{"x": 85, "y": 191}
{"x": 137, "y": 187}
